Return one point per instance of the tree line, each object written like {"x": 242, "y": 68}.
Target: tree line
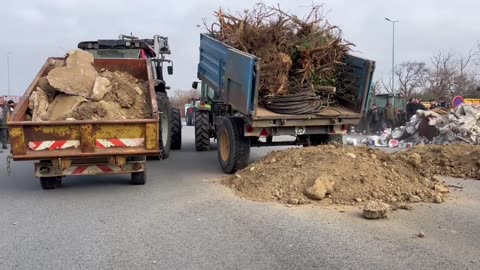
{"x": 444, "y": 76}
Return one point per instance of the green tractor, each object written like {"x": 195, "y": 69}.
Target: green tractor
{"x": 190, "y": 111}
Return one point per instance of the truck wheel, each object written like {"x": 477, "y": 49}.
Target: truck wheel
{"x": 202, "y": 130}
{"x": 165, "y": 125}
{"x": 50, "y": 182}
{"x": 189, "y": 120}
{"x": 176, "y": 130}
{"x": 335, "y": 138}
{"x": 138, "y": 178}
{"x": 319, "y": 139}
{"x": 233, "y": 146}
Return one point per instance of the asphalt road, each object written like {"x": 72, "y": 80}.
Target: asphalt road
{"x": 183, "y": 220}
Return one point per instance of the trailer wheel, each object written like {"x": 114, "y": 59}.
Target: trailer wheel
{"x": 165, "y": 125}
{"x": 138, "y": 178}
{"x": 50, "y": 182}
{"x": 202, "y": 130}
{"x": 176, "y": 143}
{"x": 319, "y": 139}
{"x": 335, "y": 138}
{"x": 233, "y": 146}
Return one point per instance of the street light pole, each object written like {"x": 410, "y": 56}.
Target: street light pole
{"x": 393, "y": 53}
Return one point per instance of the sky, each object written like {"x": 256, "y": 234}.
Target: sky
{"x": 34, "y": 30}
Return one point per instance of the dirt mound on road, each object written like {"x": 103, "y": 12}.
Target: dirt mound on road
{"x": 456, "y": 160}
{"x": 340, "y": 175}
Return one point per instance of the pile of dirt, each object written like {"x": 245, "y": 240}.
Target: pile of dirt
{"x": 340, "y": 175}
{"x": 75, "y": 90}
{"x": 456, "y": 160}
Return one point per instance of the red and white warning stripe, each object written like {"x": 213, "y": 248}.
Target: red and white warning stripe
{"x": 91, "y": 169}
{"x": 53, "y": 145}
{"x": 122, "y": 143}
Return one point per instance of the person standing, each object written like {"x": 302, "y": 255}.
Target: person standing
{"x": 374, "y": 119}
{"x": 410, "y": 108}
{"x": 389, "y": 113}
{"x": 4, "y": 112}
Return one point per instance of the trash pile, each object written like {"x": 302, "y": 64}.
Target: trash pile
{"x": 331, "y": 174}
{"x": 298, "y": 55}
{"x": 435, "y": 127}
{"x": 75, "y": 90}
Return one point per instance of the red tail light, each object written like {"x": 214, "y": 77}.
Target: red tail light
{"x": 249, "y": 129}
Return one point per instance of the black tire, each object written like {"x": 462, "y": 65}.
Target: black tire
{"x": 233, "y": 147}
{"x": 335, "y": 138}
{"x": 176, "y": 143}
{"x": 165, "y": 140}
{"x": 189, "y": 120}
{"x": 50, "y": 182}
{"x": 138, "y": 178}
{"x": 319, "y": 139}
{"x": 202, "y": 130}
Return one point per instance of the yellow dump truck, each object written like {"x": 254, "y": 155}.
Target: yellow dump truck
{"x": 88, "y": 147}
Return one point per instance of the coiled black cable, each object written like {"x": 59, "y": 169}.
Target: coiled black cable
{"x": 299, "y": 103}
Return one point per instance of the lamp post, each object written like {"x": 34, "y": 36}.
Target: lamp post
{"x": 393, "y": 53}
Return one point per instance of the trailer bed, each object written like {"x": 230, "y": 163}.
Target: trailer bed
{"x": 337, "y": 111}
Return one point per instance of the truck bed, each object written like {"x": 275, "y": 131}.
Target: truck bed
{"x": 37, "y": 140}
{"x": 337, "y": 111}
{"x": 235, "y": 75}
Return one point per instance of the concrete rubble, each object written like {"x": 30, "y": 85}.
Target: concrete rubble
{"x": 73, "y": 89}
{"x": 461, "y": 125}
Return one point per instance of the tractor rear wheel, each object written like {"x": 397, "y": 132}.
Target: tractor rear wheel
{"x": 165, "y": 125}
{"x": 176, "y": 130}
{"x": 202, "y": 130}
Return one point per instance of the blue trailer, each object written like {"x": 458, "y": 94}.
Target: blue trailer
{"x": 229, "y": 85}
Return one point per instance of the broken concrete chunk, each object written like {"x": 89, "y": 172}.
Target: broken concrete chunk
{"x": 38, "y": 103}
{"x": 102, "y": 86}
{"x": 320, "y": 188}
{"x": 79, "y": 57}
{"x": 441, "y": 189}
{"x": 375, "y": 210}
{"x": 78, "y": 77}
{"x": 49, "y": 90}
{"x": 63, "y": 107}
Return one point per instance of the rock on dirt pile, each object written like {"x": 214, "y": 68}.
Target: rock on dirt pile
{"x": 75, "y": 90}
{"x": 343, "y": 175}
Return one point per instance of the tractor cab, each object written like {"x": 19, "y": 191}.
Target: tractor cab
{"x": 131, "y": 47}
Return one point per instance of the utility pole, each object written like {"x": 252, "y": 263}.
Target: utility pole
{"x": 393, "y": 54}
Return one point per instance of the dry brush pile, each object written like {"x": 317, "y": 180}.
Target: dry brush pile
{"x": 297, "y": 55}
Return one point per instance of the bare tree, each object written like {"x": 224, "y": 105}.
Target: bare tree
{"x": 449, "y": 75}
{"x": 411, "y": 77}
{"x": 376, "y": 88}
{"x": 179, "y": 98}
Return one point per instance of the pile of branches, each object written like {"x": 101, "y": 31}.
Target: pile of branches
{"x": 297, "y": 55}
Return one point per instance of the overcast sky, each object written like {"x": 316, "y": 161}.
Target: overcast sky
{"x": 33, "y": 30}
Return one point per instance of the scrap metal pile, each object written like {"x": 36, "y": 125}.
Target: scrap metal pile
{"x": 75, "y": 90}
{"x": 301, "y": 59}
{"x": 460, "y": 125}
